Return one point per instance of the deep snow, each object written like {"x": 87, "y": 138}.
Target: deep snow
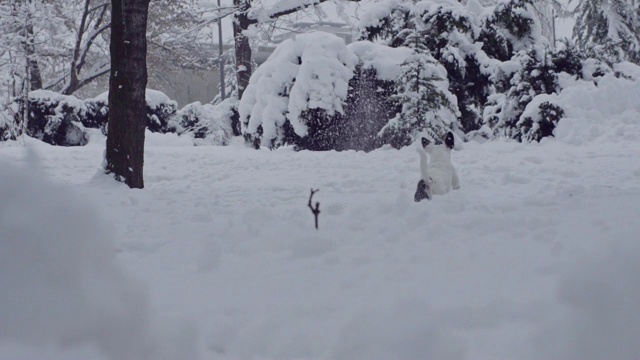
{"x": 535, "y": 257}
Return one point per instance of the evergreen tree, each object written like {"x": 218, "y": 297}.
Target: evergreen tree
{"x": 511, "y": 27}
{"x": 535, "y": 75}
{"x": 427, "y": 107}
{"x": 450, "y": 32}
{"x": 610, "y": 28}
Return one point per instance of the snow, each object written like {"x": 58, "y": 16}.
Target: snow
{"x": 379, "y": 10}
{"x": 47, "y": 97}
{"x": 154, "y": 99}
{"x": 314, "y": 69}
{"x": 586, "y": 104}
{"x": 535, "y": 257}
{"x": 384, "y": 59}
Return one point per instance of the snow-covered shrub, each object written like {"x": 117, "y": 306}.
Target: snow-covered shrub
{"x": 518, "y": 82}
{"x": 192, "y": 119}
{"x": 53, "y": 118}
{"x": 160, "y": 110}
{"x": 206, "y": 124}
{"x": 297, "y": 95}
{"x": 568, "y": 58}
{"x": 540, "y": 122}
{"x": 97, "y": 116}
{"x": 63, "y": 119}
{"x": 521, "y": 107}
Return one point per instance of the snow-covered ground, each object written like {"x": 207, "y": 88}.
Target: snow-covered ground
{"x": 535, "y": 257}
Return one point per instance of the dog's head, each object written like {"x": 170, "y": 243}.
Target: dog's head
{"x": 422, "y": 191}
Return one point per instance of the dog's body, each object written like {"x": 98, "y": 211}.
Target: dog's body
{"x": 438, "y": 176}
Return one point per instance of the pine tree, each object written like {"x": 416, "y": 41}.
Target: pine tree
{"x": 511, "y": 27}
{"x": 610, "y": 28}
{"x": 535, "y": 75}
{"x": 450, "y": 31}
{"x": 421, "y": 91}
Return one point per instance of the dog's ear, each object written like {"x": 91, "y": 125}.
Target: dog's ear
{"x": 425, "y": 142}
{"x": 449, "y": 141}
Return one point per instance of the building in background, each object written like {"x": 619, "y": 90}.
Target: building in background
{"x": 188, "y": 85}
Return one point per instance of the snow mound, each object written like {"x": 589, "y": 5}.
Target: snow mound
{"x": 603, "y": 111}
{"x": 598, "y": 317}
{"x": 63, "y": 293}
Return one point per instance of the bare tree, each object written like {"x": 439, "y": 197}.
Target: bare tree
{"x": 127, "y": 85}
{"x": 92, "y": 25}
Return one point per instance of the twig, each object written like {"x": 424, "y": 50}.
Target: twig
{"x": 315, "y": 211}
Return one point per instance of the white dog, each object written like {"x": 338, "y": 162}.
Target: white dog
{"x": 438, "y": 176}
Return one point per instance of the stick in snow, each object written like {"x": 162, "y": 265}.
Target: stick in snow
{"x": 315, "y": 211}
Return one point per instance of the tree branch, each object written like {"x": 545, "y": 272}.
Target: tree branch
{"x": 315, "y": 211}
{"x": 85, "y": 51}
{"x": 71, "y": 88}
{"x": 292, "y": 10}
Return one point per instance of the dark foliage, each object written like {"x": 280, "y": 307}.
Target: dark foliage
{"x": 53, "y": 121}
{"x": 568, "y": 59}
{"x": 60, "y": 120}
{"x": 190, "y": 122}
{"x": 158, "y": 117}
{"x": 466, "y": 80}
{"x": 369, "y": 108}
{"x": 324, "y": 130}
{"x": 550, "y": 114}
{"x": 97, "y": 115}
{"x": 506, "y": 22}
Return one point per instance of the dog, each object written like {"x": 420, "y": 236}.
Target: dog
{"x": 437, "y": 176}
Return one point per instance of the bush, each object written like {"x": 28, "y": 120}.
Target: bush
{"x": 207, "y": 124}
{"x": 62, "y": 120}
{"x": 518, "y": 82}
{"x": 160, "y": 110}
{"x": 297, "y": 96}
{"x": 53, "y": 118}
{"x": 541, "y": 124}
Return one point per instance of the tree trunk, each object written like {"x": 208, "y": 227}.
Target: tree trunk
{"x": 242, "y": 47}
{"x": 35, "y": 77}
{"x": 127, "y": 84}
